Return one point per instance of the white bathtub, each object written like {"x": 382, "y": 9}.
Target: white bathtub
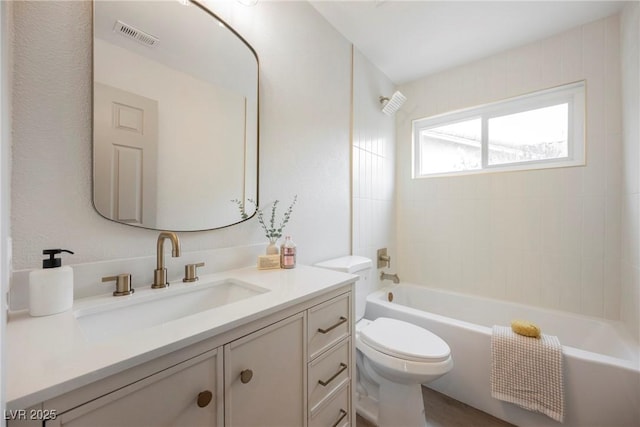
{"x": 601, "y": 361}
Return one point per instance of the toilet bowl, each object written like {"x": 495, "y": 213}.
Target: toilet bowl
{"x": 396, "y": 358}
{"x": 393, "y": 358}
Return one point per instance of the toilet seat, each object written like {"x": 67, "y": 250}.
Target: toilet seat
{"x": 402, "y": 370}
{"x": 404, "y": 341}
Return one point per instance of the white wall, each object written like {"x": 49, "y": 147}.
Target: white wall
{"x": 5, "y": 165}
{"x": 305, "y": 110}
{"x": 550, "y": 237}
{"x": 373, "y": 163}
{"x": 630, "y": 48}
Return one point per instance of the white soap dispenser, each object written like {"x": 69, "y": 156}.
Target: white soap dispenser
{"x": 51, "y": 289}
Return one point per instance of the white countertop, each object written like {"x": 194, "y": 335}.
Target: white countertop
{"x": 48, "y": 356}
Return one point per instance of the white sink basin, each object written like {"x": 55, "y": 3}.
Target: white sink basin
{"x": 154, "y": 307}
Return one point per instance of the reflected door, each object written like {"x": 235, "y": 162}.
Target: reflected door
{"x": 126, "y": 153}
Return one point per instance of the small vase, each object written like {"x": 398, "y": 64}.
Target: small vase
{"x": 272, "y": 248}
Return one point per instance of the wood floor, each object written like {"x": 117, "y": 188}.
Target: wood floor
{"x": 443, "y": 411}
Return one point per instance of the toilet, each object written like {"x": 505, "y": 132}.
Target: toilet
{"x": 393, "y": 357}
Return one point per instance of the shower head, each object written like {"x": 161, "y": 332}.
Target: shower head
{"x": 390, "y": 106}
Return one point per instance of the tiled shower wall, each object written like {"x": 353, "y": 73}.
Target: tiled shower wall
{"x": 373, "y": 163}
{"x": 550, "y": 238}
{"x": 630, "y": 46}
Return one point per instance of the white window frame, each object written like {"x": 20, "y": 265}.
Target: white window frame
{"x": 572, "y": 94}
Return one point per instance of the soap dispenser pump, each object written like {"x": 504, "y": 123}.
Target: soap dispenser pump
{"x": 51, "y": 289}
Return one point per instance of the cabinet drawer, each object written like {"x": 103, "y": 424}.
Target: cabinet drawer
{"x": 328, "y": 372}
{"x": 334, "y": 413}
{"x": 329, "y": 323}
{"x": 174, "y": 397}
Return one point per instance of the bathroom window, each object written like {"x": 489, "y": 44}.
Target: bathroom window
{"x": 540, "y": 130}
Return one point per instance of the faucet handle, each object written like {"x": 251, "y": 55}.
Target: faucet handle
{"x": 384, "y": 260}
{"x": 123, "y": 284}
{"x": 190, "y": 272}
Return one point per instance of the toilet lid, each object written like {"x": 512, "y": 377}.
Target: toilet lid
{"x": 404, "y": 340}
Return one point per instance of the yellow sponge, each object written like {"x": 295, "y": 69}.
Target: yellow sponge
{"x": 525, "y": 328}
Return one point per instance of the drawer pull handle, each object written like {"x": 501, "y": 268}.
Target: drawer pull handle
{"x": 246, "y": 375}
{"x": 343, "y": 414}
{"x": 204, "y": 398}
{"x": 330, "y": 328}
{"x": 341, "y": 370}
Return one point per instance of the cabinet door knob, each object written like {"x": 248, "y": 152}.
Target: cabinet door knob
{"x": 246, "y": 375}
{"x": 204, "y": 398}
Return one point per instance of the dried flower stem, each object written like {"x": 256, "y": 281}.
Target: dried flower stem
{"x": 272, "y": 232}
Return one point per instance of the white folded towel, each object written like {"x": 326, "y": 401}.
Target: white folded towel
{"x": 527, "y": 371}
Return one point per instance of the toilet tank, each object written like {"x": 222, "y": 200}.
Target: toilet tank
{"x": 361, "y": 267}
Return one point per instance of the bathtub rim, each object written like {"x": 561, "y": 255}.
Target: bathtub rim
{"x": 379, "y": 297}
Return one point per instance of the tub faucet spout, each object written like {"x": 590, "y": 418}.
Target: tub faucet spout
{"x": 160, "y": 273}
{"x": 393, "y": 277}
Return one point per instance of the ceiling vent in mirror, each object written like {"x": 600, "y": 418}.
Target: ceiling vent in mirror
{"x": 135, "y": 34}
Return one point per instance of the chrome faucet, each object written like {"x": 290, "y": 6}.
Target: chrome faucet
{"x": 394, "y": 277}
{"x": 160, "y": 273}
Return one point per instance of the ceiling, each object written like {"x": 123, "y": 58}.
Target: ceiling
{"x": 410, "y": 39}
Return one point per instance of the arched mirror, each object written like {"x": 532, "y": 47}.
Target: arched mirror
{"x": 175, "y": 116}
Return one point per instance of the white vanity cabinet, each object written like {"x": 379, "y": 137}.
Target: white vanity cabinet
{"x": 290, "y": 368}
{"x": 183, "y": 395}
{"x": 331, "y": 363}
{"x": 264, "y": 376}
